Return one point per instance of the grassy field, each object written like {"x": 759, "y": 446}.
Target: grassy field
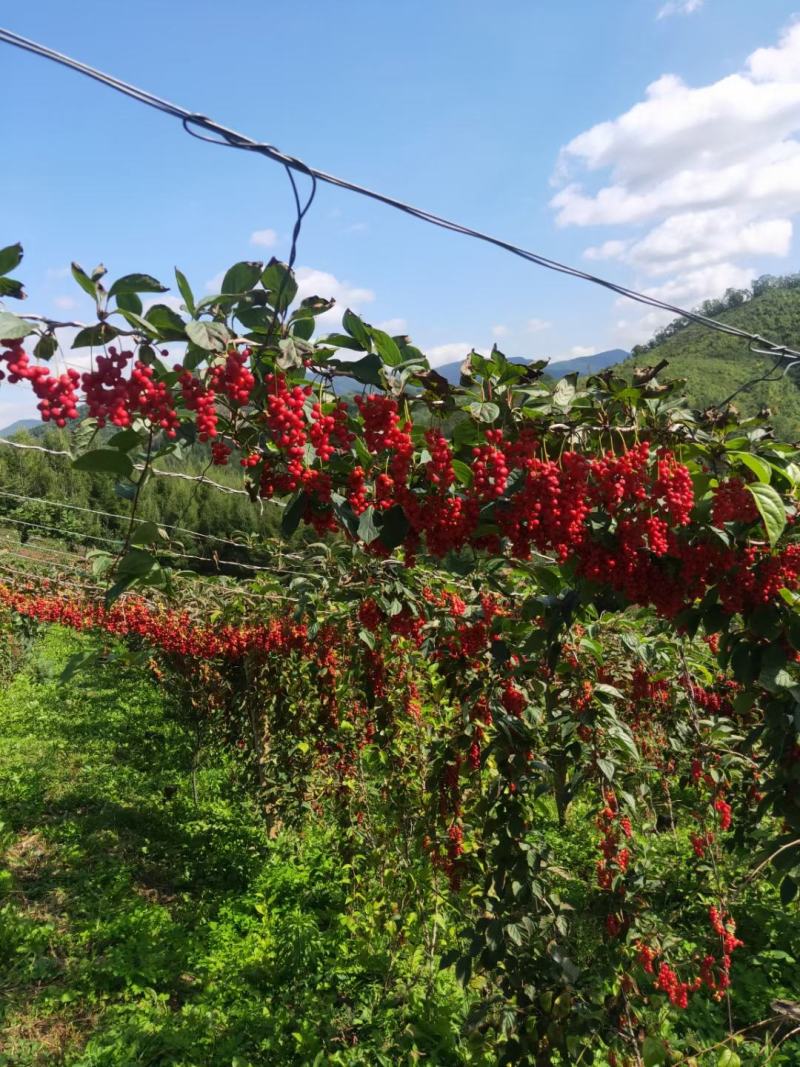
{"x": 137, "y": 927}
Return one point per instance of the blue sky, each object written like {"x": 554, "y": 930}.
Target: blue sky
{"x": 532, "y": 120}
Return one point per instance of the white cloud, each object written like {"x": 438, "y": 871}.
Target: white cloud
{"x": 455, "y": 351}
{"x": 607, "y": 250}
{"x": 703, "y": 180}
{"x": 213, "y": 285}
{"x": 500, "y": 331}
{"x": 264, "y": 238}
{"x": 581, "y": 350}
{"x": 393, "y": 326}
{"x": 537, "y": 325}
{"x": 311, "y": 282}
{"x": 679, "y": 7}
{"x": 65, "y": 303}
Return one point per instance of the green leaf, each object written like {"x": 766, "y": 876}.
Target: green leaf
{"x": 728, "y": 1058}
{"x": 185, "y": 290}
{"x": 564, "y": 393}
{"x": 97, "y": 335}
{"x": 463, "y": 472}
{"x": 12, "y": 327}
{"x": 293, "y": 513}
{"x": 367, "y": 530}
{"x": 606, "y": 767}
{"x": 242, "y": 277}
{"x": 10, "y": 257}
{"x": 386, "y": 347}
{"x": 654, "y": 1052}
{"x": 125, "y": 440}
{"x": 136, "y": 563}
{"x": 84, "y": 281}
{"x": 758, "y": 466}
{"x": 280, "y": 283}
{"x": 484, "y": 412}
{"x": 13, "y": 288}
{"x": 355, "y": 327}
{"x": 366, "y": 370}
{"x": 788, "y": 890}
{"x": 394, "y": 528}
{"x": 137, "y": 283}
{"x": 168, "y": 323}
{"x": 104, "y": 460}
{"x": 129, "y": 302}
{"x": 46, "y": 347}
{"x": 211, "y": 336}
{"x": 770, "y": 506}
{"x": 145, "y": 534}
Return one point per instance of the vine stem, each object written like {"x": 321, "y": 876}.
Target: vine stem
{"x": 139, "y": 484}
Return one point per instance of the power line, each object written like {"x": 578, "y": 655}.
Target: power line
{"x": 231, "y": 138}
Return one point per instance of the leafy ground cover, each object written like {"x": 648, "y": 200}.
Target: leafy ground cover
{"x": 137, "y": 927}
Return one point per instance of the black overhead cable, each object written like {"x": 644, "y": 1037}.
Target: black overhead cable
{"x": 231, "y": 138}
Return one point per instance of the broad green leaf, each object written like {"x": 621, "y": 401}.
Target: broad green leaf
{"x": 97, "y": 335}
{"x": 606, "y": 767}
{"x": 484, "y": 411}
{"x": 137, "y": 283}
{"x": 394, "y": 528}
{"x": 104, "y": 460}
{"x": 770, "y": 506}
{"x": 729, "y": 1058}
{"x": 168, "y": 323}
{"x": 125, "y": 440}
{"x": 211, "y": 336}
{"x": 129, "y": 302}
{"x": 242, "y": 277}
{"x": 12, "y": 327}
{"x": 280, "y": 282}
{"x": 13, "y": 288}
{"x": 356, "y": 328}
{"x": 367, "y": 530}
{"x": 10, "y": 257}
{"x": 758, "y": 466}
{"x": 366, "y": 370}
{"x": 46, "y": 347}
{"x": 145, "y": 533}
{"x": 387, "y": 348}
{"x": 463, "y": 472}
{"x": 564, "y": 393}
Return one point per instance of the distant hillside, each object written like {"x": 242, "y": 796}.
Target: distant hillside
{"x": 714, "y": 365}
{"x": 20, "y": 424}
{"x": 587, "y": 364}
{"x": 581, "y": 364}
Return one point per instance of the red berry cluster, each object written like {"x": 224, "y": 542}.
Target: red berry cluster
{"x": 614, "y": 828}
{"x": 58, "y": 398}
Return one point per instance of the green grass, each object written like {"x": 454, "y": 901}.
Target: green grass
{"x": 139, "y": 928}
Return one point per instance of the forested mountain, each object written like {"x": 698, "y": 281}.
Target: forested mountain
{"x": 715, "y": 365}
{"x": 34, "y": 485}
